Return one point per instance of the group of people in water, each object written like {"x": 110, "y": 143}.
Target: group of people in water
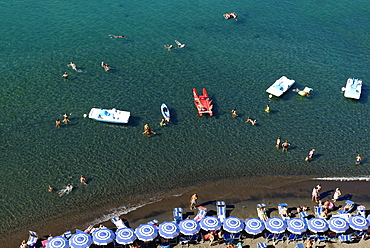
{"x": 69, "y": 187}
{"x": 231, "y": 15}
{"x": 65, "y": 120}
{"x": 179, "y": 45}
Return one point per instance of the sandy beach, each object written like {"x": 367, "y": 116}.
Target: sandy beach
{"x": 241, "y": 197}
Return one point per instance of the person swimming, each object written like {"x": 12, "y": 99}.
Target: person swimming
{"x": 179, "y": 45}
{"x": 169, "y": 47}
{"x": 65, "y": 75}
{"x": 83, "y": 180}
{"x": 105, "y": 66}
{"x": 73, "y": 66}
{"x": 253, "y": 122}
{"x": 116, "y": 36}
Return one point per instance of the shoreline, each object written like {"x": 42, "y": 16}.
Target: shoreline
{"x": 241, "y": 197}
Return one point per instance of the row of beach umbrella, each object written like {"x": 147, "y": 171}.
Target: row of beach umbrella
{"x": 170, "y": 230}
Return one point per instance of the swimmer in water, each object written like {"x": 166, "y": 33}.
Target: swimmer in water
{"x": 83, "y": 180}
{"x": 179, "y": 45}
{"x": 116, "y": 36}
{"x": 169, "y": 47}
{"x": 73, "y": 66}
{"x": 65, "y": 75}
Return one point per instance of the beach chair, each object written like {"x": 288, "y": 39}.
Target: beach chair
{"x": 291, "y": 237}
{"x": 154, "y": 222}
{"x": 189, "y": 240}
{"x": 202, "y": 211}
{"x": 221, "y": 210}
{"x": 118, "y": 222}
{"x": 261, "y": 211}
{"x": 278, "y": 237}
{"x": 322, "y": 238}
{"x": 303, "y": 215}
{"x": 299, "y": 245}
{"x": 262, "y": 245}
{"x": 177, "y": 215}
{"x": 32, "y": 239}
{"x": 350, "y": 205}
{"x": 343, "y": 238}
{"x": 269, "y": 237}
{"x": 228, "y": 239}
{"x": 67, "y": 234}
{"x": 318, "y": 211}
{"x": 283, "y": 211}
{"x": 236, "y": 236}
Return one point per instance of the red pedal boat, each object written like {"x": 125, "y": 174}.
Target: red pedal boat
{"x": 202, "y": 103}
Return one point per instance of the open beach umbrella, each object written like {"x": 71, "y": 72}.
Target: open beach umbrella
{"x": 168, "y": 230}
{"x": 254, "y": 226}
{"x": 80, "y": 240}
{"x": 317, "y": 225}
{"x": 103, "y": 236}
{"x": 358, "y": 222}
{"x": 189, "y": 227}
{"x": 146, "y": 232}
{"x": 275, "y": 225}
{"x": 57, "y": 242}
{"x": 338, "y": 225}
{"x": 210, "y": 223}
{"x": 233, "y": 225}
{"x": 296, "y": 226}
{"x": 125, "y": 236}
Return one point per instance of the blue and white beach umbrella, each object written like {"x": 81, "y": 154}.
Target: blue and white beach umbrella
{"x": 103, "y": 236}
{"x": 275, "y": 225}
{"x": 189, "y": 227}
{"x": 125, "y": 236}
{"x": 57, "y": 242}
{"x": 80, "y": 240}
{"x": 168, "y": 230}
{"x": 233, "y": 225}
{"x": 296, "y": 226}
{"x": 146, "y": 232}
{"x": 210, "y": 223}
{"x": 358, "y": 222}
{"x": 254, "y": 226}
{"x": 317, "y": 225}
{"x": 338, "y": 225}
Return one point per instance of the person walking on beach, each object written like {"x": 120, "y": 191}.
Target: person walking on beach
{"x": 193, "y": 201}
{"x": 233, "y": 113}
{"x": 278, "y": 141}
{"x": 314, "y": 195}
{"x": 336, "y": 195}
{"x": 285, "y": 146}
{"x": 358, "y": 159}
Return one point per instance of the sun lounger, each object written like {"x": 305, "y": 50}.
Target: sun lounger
{"x": 350, "y": 205}
{"x": 283, "y": 211}
{"x": 262, "y": 245}
{"x": 177, "y": 215}
{"x": 303, "y": 215}
{"x": 202, "y": 211}
{"x": 269, "y": 237}
{"x": 32, "y": 239}
{"x": 67, "y": 234}
{"x": 321, "y": 238}
{"x": 221, "y": 210}
{"x": 118, "y": 222}
{"x": 278, "y": 237}
{"x": 345, "y": 238}
{"x": 291, "y": 238}
{"x": 299, "y": 245}
{"x": 318, "y": 211}
{"x": 154, "y": 222}
{"x": 261, "y": 211}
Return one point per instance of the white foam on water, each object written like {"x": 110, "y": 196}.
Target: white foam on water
{"x": 363, "y": 178}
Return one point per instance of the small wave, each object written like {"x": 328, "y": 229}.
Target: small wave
{"x": 121, "y": 211}
{"x": 363, "y": 178}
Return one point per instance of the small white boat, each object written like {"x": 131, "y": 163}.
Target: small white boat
{"x": 165, "y": 112}
{"x": 280, "y": 86}
{"x": 109, "y": 115}
{"x": 353, "y": 88}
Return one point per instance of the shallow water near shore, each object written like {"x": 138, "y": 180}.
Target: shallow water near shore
{"x": 319, "y": 44}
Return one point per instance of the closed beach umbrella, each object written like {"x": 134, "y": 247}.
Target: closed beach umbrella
{"x": 125, "y": 236}
{"x": 210, "y": 223}
{"x": 233, "y": 225}
{"x": 103, "y": 236}
{"x": 317, "y": 225}
{"x": 296, "y": 226}
{"x": 338, "y": 225}
{"x": 80, "y": 240}
{"x": 189, "y": 227}
{"x": 57, "y": 242}
{"x": 254, "y": 226}
{"x": 168, "y": 230}
{"x": 358, "y": 222}
{"x": 146, "y": 232}
{"x": 276, "y": 225}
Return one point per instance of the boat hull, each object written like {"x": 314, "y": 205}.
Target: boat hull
{"x": 165, "y": 112}
{"x": 109, "y": 115}
{"x": 280, "y": 86}
{"x": 203, "y": 103}
{"x": 353, "y": 88}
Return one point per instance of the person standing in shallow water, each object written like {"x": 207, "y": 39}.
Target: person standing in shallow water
{"x": 147, "y": 130}
{"x": 358, "y": 159}
{"x": 233, "y": 113}
{"x": 278, "y": 141}
{"x": 285, "y": 146}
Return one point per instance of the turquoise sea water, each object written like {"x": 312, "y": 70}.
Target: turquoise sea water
{"x": 317, "y": 43}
